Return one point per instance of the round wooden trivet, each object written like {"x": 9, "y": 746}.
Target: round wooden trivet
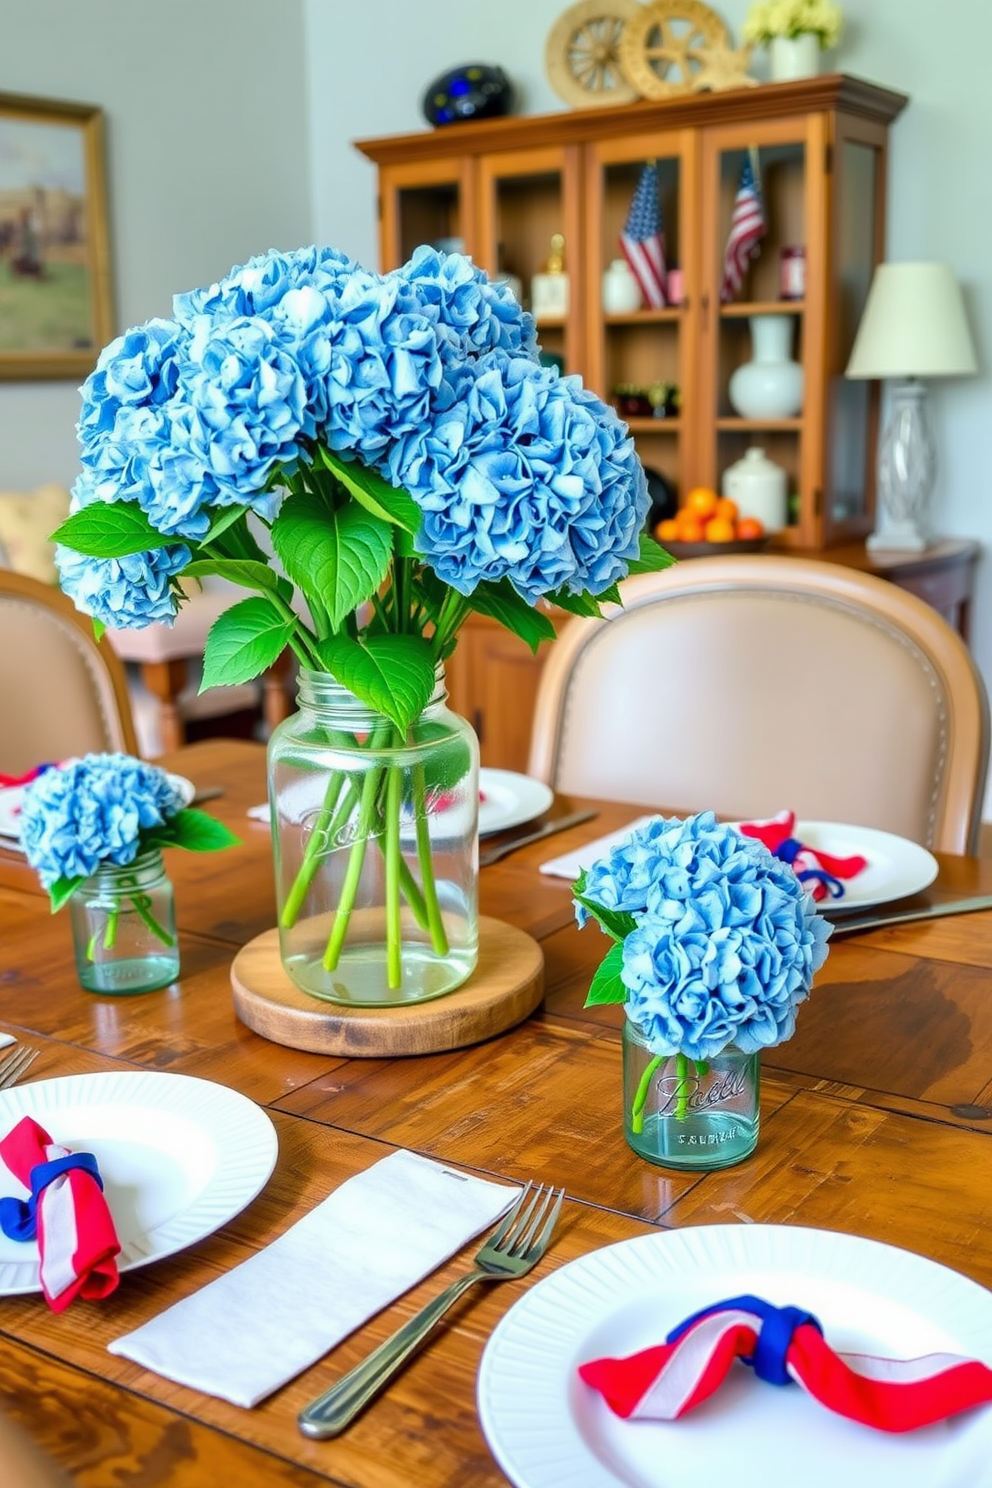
{"x": 506, "y": 985}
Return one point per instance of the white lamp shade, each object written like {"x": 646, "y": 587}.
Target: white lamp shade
{"x": 913, "y": 325}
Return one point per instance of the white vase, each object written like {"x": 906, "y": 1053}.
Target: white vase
{"x": 621, "y": 291}
{"x": 758, "y": 486}
{"x": 770, "y": 386}
{"x": 795, "y": 56}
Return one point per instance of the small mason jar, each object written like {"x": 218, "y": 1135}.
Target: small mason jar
{"x": 124, "y": 928}
{"x": 376, "y": 847}
{"x": 680, "y": 1113}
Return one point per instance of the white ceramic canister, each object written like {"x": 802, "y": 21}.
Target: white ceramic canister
{"x": 621, "y": 291}
{"x": 758, "y": 486}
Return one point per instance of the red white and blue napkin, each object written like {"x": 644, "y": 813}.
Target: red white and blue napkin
{"x": 823, "y": 873}
{"x": 785, "y": 1345}
{"x": 65, "y": 1212}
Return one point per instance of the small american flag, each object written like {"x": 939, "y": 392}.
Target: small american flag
{"x": 643, "y": 239}
{"x": 747, "y": 228}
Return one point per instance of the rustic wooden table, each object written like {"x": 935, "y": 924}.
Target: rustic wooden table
{"x": 876, "y": 1120}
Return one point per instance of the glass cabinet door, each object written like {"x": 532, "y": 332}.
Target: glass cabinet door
{"x": 639, "y": 309}
{"x": 762, "y": 310}
{"x": 529, "y": 234}
{"x": 425, "y": 202}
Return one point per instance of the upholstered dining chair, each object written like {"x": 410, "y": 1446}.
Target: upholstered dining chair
{"x": 61, "y": 693}
{"x": 750, "y": 685}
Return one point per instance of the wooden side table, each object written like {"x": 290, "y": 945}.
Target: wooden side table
{"x": 943, "y": 575}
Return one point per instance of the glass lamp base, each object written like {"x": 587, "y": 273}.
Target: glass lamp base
{"x": 907, "y": 468}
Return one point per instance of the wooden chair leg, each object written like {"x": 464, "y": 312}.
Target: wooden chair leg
{"x": 166, "y": 680}
{"x": 276, "y": 704}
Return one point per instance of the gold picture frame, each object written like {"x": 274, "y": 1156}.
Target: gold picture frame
{"x": 56, "y": 310}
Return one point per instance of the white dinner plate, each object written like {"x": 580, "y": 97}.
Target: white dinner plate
{"x": 896, "y": 866}
{"x": 11, "y": 797}
{"x": 179, "y": 1157}
{"x": 507, "y": 799}
{"x": 547, "y": 1429}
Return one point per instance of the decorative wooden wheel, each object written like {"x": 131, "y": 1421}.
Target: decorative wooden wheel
{"x": 667, "y": 43}
{"x": 582, "y": 56}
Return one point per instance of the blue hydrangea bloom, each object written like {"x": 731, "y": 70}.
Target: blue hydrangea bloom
{"x": 473, "y": 314}
{"x": 522, "y": 474}
{"x": 137, "y": 370}
{"x": 93, "y": 811}
{"x": 726, "y": 939}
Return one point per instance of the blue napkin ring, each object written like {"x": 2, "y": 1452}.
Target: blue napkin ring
{"x": 19, "y": 1217}
{"x": 777, "y": 1327}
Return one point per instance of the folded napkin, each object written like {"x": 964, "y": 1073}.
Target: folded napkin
{"x": 376, "y": 1236}
{"x": 66, "y": 1213}
{"x": 821, "y": 872}
{"x": 782, "y": 1345}
{"x": 571, "y": 864}
{"x": 259, "y": 813}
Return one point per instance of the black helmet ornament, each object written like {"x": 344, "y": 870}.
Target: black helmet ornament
{"x": 474, "y": 91}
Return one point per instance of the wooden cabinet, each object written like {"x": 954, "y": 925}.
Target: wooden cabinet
{"x": 504, "y": 187}
{"x": 492, "y": 681}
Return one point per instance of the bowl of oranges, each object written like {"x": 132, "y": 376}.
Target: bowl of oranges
{"x": 706, "y": 523}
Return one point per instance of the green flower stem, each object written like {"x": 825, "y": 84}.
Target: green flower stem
{"x": 682, "y": 1076}
{"x": 141, "y": 903}
{"x": 439, "y": 936}
{"x": 353, "y": 873}
{"x": 394, "y": 944}
{"x": 315, "y": 850}
{"x": 641, "y": 1096}
{"x": 411, "y": 893}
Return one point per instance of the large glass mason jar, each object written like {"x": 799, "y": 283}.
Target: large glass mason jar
{"x": 376, "y": 847}
{"x": 684, "y": 1113}
{"x": 124, "y": 928}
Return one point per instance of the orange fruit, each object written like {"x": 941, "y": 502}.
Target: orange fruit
{"x": 701, "y": 501}
{"x": 690, "y": 529}
{"x": 726, "y": 508}
{"x": 719, "y": 530}
{"x": 749, "y": 528}
{"x": 667, "y": 531}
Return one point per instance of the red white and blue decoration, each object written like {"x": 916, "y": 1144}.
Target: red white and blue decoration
{"x": 785, "y": 1345}
{"x": 66, "y": 1213}
{"x": 643, "y": 240}
{"x": 824, "y": 874}
{"x": 747, "y": 228}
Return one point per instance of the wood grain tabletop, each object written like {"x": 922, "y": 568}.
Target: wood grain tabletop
{"x": 876, "y": 1121}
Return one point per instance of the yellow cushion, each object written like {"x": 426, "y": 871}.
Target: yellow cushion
{"x": 26, "y": 521}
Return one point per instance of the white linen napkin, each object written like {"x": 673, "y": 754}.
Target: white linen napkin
{"x": 259, "y": 813}
{"x": 5, "y": 1039}
{"x": 571, "y": 864}
{"x": 381, "y": 1232}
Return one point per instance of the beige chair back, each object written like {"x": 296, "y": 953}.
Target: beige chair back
{"x": 61, "y": 693}
{"x": 753, "y": 684}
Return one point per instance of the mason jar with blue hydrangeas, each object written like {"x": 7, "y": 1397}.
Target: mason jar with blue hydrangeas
{"x": 373, "y": 458}
{"x": 715, "y": 944}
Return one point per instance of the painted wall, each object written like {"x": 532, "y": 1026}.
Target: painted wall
{"x": 940, "y": 184}
{"x": 207, "y": 145}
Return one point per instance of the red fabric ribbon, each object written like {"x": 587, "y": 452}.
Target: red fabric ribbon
{"x": 785, "y": 1345}
{"x": 821, "y": 872}
{"x": 77, "y": 1241}
{"x": 8, "y": 780}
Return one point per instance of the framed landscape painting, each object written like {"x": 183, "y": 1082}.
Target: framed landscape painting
{"x": 55, "y": 295}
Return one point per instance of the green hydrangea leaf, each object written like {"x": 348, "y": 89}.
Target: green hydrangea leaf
{"x": 394, "y": 674}
{"x": 577, "y": 604}
{"x": 606, "y": 985}
{"x": 244, "y": 571}
{"x": 652, "y": 558}
{"x": 62, "y": 890}
{"x": 244, "y": 641}
{"x": 617, "y": 923}
{"x": 194, "y": 830}
{"x": 110, "y": 530}
{"x": 99, "y": 630}
{"x": 389, "y": 503}
{"x": 502, "y": 603}
{"x": 340, "y": 556}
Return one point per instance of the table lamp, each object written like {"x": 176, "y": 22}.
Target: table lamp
{"x": 913, "y": 326}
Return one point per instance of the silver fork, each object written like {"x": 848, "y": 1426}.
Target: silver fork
{"x": 16, "y": 1063}
{"x": 513, "y": 1249}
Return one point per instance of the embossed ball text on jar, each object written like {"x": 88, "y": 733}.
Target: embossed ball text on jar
{"x": 376, "y": 848}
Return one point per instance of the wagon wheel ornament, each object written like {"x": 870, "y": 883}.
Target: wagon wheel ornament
{"x": 668, "y": 43}
{"x": 582, "y": 56}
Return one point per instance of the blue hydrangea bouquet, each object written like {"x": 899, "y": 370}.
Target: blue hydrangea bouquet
{"x": 398, "y": 446}
{"x": 108, "y": 809}
{"x": 715, "y": 944}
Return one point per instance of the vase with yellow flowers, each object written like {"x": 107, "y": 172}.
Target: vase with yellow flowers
{"x": 795, "y": 32}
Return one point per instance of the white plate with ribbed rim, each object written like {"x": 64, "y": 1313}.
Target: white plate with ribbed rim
{"x": 547, "y": 1429}
{"x": 12, "y": 796}
{"x": 508, "y": 799}
{"x": 895, "y": 865}
{"x": 179, "y": 1157}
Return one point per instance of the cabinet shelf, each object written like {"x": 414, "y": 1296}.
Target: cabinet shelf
{"x": 762, "y": 307}
{"x": 742, "y": 425}
{"x": 644, "y": 317}
{"x": 652, "y": 425}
